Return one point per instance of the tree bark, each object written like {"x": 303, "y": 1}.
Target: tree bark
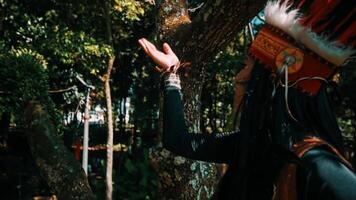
{"x": 56, "y": 164}
{"x": 196, "y": 41}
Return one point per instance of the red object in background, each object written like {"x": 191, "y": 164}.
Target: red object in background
{"x": 77, "y": 150}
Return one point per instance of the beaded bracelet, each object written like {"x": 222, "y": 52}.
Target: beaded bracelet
{"x": 172, "y": 80}
{"x": 170, "y": 77}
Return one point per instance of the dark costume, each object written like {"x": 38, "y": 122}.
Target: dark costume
{"x": 288, "y": 146}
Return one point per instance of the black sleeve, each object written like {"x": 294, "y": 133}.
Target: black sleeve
{"x": 326, "y": 177}
{"x": 212, "y": 147}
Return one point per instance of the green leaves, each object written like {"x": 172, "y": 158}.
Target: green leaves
{"x": 24, "y": 78}
{"x": 69, "y": 37}
{"x": 76, "y": 49}
{"x": 130, "y": 9}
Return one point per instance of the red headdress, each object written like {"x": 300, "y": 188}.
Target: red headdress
{"x": 309, "y": 47}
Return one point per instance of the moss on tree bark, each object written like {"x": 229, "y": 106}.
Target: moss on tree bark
{"x": 56, "y": 164}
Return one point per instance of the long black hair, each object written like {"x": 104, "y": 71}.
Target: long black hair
{"x": 265, "y": 124}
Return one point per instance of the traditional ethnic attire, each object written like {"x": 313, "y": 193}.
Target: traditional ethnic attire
{"x": 289, "y": 145}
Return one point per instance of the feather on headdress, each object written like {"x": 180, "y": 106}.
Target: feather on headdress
{"x": 280, "y": 15}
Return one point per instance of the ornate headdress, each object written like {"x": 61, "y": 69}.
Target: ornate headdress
{"x": 284, "y": 45}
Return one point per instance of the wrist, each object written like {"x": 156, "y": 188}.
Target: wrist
{"x": 173, "y": 68}
{"x": 171, "y": 80}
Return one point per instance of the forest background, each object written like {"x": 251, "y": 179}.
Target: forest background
{"x": 45, "y": 45}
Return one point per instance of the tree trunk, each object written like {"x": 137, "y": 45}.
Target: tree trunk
{"x": 196, "y": 42}
{"x": 109, "y": 153}
{"x": 56, "y": 164}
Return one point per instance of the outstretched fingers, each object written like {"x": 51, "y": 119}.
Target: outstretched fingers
{"x": 150, "y": 49}
{"x": 144, "y": 46}
{"x": 167, "y": 49}
{"x": 150, "y": 46}
{"x": 164, "y": 59}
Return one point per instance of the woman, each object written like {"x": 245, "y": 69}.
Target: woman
{"x": 289, "y": 145}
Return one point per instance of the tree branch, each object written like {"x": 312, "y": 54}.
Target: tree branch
{"x": 215, "y": 27}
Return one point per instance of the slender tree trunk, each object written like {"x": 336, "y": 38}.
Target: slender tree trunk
{"x": 109, "y": 154}
{"x": 196, "y": 41}
{"x": 56, "y": 164}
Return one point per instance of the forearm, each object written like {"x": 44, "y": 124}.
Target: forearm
{"x": 207, "y": 147}
{"x": 176, "y": 138}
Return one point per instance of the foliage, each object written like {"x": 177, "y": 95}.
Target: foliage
{"x": 130, "y": 9}
{"x": 132, "y": 176}
{"x": 146, "y": 99}
{"x": 23, "y": 75}
{"x": 136, "y": 180}
{"x": 217, "y": 108}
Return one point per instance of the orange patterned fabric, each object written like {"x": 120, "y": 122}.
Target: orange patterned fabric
{"x": 286, "y": 186}
{"x": 271, "y": 43}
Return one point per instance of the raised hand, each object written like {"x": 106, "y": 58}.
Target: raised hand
{"x": 165, "y": 59}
